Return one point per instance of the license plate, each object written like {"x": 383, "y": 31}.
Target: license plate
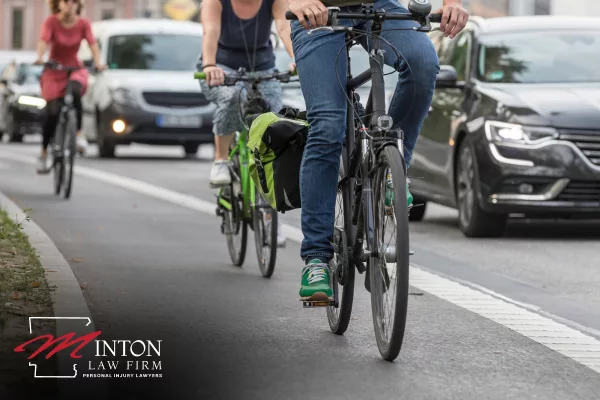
{"x": 179, "y": 121}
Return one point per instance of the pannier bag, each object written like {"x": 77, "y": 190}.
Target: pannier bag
{"x": 276, "y": 143}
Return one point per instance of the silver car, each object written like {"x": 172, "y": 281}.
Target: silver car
{"x": 147, "y": 94}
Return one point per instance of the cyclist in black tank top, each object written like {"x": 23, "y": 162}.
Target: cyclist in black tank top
{"x": 237, "y": 33}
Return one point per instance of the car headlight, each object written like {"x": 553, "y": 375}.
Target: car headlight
{"x": 32, "y": 101}
{"x": 498, "y": 132}
{"x": 123, "y": 96}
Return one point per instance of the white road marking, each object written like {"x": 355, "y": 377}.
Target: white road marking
{"x": 559, "y": 337}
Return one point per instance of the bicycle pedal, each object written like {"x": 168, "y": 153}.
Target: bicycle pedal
{"x": 314, "y": 304}
{"x": 317, "y": 300}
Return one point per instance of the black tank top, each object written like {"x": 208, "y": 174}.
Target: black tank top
{"x": 257, "y": 52}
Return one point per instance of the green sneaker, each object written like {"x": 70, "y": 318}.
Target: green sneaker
{"x": 315, "y": 284}
{"x": 389, "y": 192}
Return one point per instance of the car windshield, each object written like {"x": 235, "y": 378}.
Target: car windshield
{"x": 154, "y": 52}
{"x": 540, "y": 57}
{"x": 30, "y": 73}
{"x": 360, "y": 63}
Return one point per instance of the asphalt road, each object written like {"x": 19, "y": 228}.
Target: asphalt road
{"x": 153, "y": 269}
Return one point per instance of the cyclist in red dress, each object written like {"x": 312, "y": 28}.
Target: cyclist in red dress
{"x": 62, "y": 33}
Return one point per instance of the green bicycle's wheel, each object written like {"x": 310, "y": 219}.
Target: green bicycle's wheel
{"x": 265, "y": 236}
{"x": 235, "y": 226}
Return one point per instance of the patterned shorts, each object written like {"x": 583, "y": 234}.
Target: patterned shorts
{"x": 227, "y": 118}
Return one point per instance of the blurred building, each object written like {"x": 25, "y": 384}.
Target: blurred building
{"x": 21, "y": 20}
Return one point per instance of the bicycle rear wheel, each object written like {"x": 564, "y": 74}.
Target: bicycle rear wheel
{"x": 389, "y": 268}
{"x": 339, "y": 317}
{"x": 234, "y": 226}
{"x": 69, "y": 151}
{"x": 265, "y": 236}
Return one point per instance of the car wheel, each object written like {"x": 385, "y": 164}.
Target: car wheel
{"x": 417, "y": 212}
{"x": 472, "y": 220}
{"x": 12, "y": 129}
{"x": 106, "y": 149}
{"x": 191, "y": 149}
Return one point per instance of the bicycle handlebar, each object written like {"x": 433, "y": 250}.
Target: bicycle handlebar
{"x": 241, "y": 76}
{"x": 59, "y": 67}
{"x": 334, "y": 15}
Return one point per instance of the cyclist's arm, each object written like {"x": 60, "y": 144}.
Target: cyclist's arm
{"x": 45, "y": 38}
{"x": 283, "y": 25}
{"x": 94, "y": 48}
{"x": 211, "y": 25}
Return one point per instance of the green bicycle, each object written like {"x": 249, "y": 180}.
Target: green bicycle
{"x": 238, "y": 203}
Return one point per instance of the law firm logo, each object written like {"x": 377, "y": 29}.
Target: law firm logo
{"x": 73, "y": 345}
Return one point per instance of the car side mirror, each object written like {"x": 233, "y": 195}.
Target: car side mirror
{"x": 447, "y": 78}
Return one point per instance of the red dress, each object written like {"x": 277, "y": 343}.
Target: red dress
{"x": 64, "y": 45}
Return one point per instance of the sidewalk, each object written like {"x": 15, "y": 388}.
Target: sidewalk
{"x": 36, "y": 281}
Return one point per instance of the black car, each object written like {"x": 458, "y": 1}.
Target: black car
{"x": 514, "y": 127}
{"x": 21, "y": 105}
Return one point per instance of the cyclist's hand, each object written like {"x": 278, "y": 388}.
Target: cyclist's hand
{"x": 39, "y": 61}
{"x": 293, "y": 67}
{"x": 100, "y": 67}
{"x": 454, "y": 18}
{"x": 214, "y": 76}
{"x": 313, "y": 10}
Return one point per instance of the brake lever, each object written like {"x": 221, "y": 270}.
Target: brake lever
{"x": 330, "y": 28}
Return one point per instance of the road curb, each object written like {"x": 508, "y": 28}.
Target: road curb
{"x": 67, "y": 298}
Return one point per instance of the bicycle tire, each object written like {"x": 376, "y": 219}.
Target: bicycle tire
{"x": 389, "y": 158}
{"x": 70, "y": 149}
{"x": 265, "y": 240}
{"x": 234, "y": 220}
{"x": 340, "y": 319}
{"x": 57, "y": 161}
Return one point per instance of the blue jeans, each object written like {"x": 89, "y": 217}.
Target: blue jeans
{"x": 326, "y": 104}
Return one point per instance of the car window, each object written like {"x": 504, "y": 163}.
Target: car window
{"x": 153, "y": 52}
{"x": 460, "y": 55}
{"x": 29, "y": 74}
{"x": 552, "y": 56}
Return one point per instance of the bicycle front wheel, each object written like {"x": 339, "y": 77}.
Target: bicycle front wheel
{"x": 389, "y": 265}
{"x": 57, "y": 151}
{"x": 69, "y": 154}
{"x": 234, "y": 225}
{"x": 265, "y": 236}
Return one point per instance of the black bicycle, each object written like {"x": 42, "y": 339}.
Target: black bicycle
{"x": 239, "y": 204}
{"x": 64, "y": 142}
{"x": 371, "y": 223}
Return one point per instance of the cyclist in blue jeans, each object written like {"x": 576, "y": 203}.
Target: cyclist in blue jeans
{"x": 326, "y": 102}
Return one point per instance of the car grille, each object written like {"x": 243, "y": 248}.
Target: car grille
{"x": 588, "y": 143}
{"x": 175, "y": 99}
{"x": 581, "y": 191}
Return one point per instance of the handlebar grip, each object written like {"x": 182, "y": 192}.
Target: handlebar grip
{"x": 436, "y": 18}
{"x": 290, "y": 16}
{"x": 200, "y": 75}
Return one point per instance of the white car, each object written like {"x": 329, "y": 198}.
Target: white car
{"x": 148, "y": 93}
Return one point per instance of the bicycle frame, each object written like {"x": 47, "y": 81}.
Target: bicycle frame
{"x": 361, "y": 152}
{"x": 247, "y": 185}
